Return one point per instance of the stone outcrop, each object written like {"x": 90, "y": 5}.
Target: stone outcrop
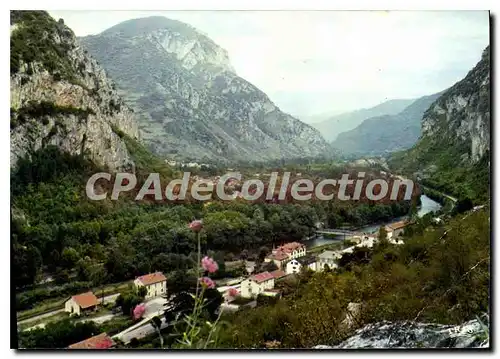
{"x": 61, "y": 96}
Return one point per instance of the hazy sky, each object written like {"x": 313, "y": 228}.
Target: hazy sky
{"x": 312, "y": 63}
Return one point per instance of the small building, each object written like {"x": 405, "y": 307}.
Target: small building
{"x": 327, "y": 258}
{"x": 256, "y": 284}
{"x": 285, "y": 253}
{"x": 396, "y": 228}
{"x": 389, "y": 231}
{"x": 278, "y": 257}
{"x": 296, "y": 265}
{"x": 101, "y": 341}
{"x": 155, "y": 283}
{"x": 81, "y": 303}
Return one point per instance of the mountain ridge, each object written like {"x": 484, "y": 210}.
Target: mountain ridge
{"x": 388, "y": 133}
{"x": 332, "y": 127}
{"x": 190, "y": 102}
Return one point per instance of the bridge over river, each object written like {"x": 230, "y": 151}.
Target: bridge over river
{"x": 339, "y": 232}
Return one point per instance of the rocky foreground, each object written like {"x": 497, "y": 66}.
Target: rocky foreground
{"x": 406, "y": 335}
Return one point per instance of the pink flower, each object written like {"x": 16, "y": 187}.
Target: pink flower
{"x": 196, "y": 225}
{"x": 207, "y": 282}
{"x": 139, "y": 310}
{"x": 233, "y": 292}
{"x": 209, "y": 265}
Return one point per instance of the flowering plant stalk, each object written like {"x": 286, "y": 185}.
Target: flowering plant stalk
{"x": 192, "y": 338}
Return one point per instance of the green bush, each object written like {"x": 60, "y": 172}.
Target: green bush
{"x": 33, "y": 41}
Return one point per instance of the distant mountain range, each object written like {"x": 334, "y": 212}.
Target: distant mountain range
{"x": 387, "y": 133}
{"x": 337, "y": 124}
{"x": 189, "y": 102}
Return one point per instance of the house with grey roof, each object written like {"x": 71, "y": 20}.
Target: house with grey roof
{"x": 328, "y": 258}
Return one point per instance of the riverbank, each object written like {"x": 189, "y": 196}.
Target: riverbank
{"x": 327, "y": 242}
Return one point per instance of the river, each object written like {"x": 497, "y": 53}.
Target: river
{"x": 427, "y": 206}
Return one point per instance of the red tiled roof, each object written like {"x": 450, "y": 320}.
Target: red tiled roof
{"x": 85, "y": 300}
{"x": 290, "y": 247}
{"x": 278, "y": 274}
{"x": 262, "y": 277}
{"x": 278, "y": 255}
{"x": 152, "y": 278}
{"x": 101, "y": 341}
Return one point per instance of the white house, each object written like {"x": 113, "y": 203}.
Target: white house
{"x": 155, "y": 283}
{"x": 328, "y": 258}
{"x": 295, "y": 265}
{"x": 81, "y": 303}
{"x": 395, "y": 229}
{"x": 256, "y": 284}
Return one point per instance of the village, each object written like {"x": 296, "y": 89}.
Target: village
{"x": 290, "y": 259}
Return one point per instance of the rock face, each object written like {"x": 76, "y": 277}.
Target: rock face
{"x": 388, "y": 133}
{"x": 453, "y": 153}
{"x": 335, "y": 125}
{"x": 406, "y": 335}
{"x": 190, "y": 102}
{"x": 60, "y": 96}
{"x": 463, "y": 113}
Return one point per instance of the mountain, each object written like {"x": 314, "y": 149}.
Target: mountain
{"x": 453, "y": 153}
{"x": 60, "y": 96}
{"x": 189, "y": 100}
{"x": 388, "y": 133}
{"x": 347, "y": 121}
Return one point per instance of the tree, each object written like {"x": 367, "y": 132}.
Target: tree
{"x": 382, "y": 234}
{"x": 156, "y": 323}
{"x": 413, "y": 214}
{"x": 270, "y": 266}
{"x": 142, "y": 291}
{"x": 27, "y": 261}
{"x": 244, "y": 254}
{"x": 98, "y": 277}
{"x": 463, "y": 205}
{"x": 58, "y": 334}
{"x": 69, "y": 257}
{"x": 263, "y": 252}
{"x": 128, "y": 300}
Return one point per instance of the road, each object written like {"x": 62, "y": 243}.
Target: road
{"x": 142, "y": 331}
{"x": 107, "y": 299}
{"x": 97, "y": 320}
{"x": 152, "y": 307}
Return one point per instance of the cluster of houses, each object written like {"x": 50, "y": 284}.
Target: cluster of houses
{"x": 85, "y": 303}
{"x": 291, "y": 258}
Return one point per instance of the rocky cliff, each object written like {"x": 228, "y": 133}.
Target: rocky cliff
{"x": 462, "y": 114}
{"x": 388, "y": 133}
{"x": 190, "y": 102}
{"x": 453, "y": 153}
{"x": 414, "y": 335}
{"x": 60, "y": 95}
